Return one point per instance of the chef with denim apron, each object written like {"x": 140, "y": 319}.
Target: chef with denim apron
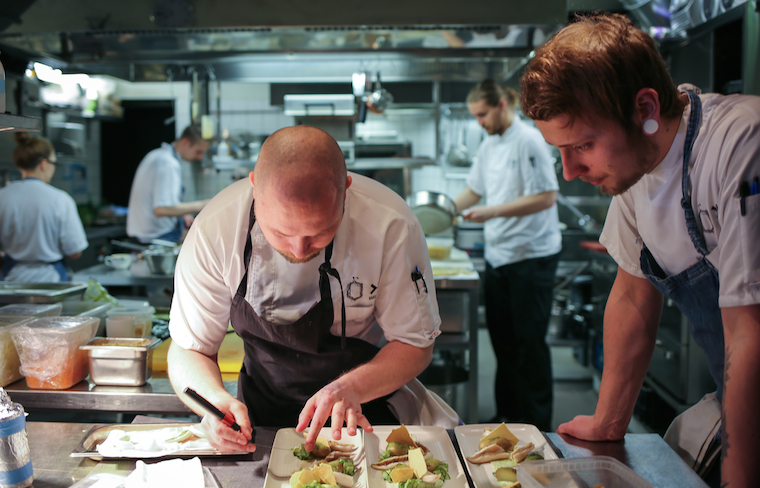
{"x": 325, "y": 276}
{"x": 39, "y": 224}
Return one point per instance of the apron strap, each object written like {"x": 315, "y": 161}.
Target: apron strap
{"x": 247, "y": 253}
{"x": 326, "y": 269}
{"x": 691, "y": 134}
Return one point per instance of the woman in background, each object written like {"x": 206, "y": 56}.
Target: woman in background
{"x": 39, "y": 223}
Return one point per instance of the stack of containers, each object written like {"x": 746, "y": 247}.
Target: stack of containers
{"x": 32, "y": 310}
{"x": 78, "y": 308}
{"x": 49, "y": 351}
{"x": 131, "y": 321}
{"x": 9, "y": 361}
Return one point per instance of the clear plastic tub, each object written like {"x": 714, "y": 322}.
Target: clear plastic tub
{"x": 32, "y": 310}
{"x": 10, "y": 364}
{"x": 591, "y": 471}
{"x": 129, "y": 321}
{"x": 49, "y": 350}
{"x": 439, "y": 248}
{"x": 77, "y": 308}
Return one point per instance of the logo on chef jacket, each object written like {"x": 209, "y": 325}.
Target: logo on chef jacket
{"x": 355, "y": 290}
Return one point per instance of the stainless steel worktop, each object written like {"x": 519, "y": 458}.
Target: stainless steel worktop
{"x": 51, "y": 443}
{"x": 155, "y": 397}
{"x": 137, "y": 275}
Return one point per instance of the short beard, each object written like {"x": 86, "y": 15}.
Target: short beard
{"x": 294, "y": 260}
{"x": 646, "y": 151}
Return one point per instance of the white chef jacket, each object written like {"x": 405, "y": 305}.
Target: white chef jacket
{"x": 506, "y": 167}
{"x": 726, "y": 152}
{"x": 377, "y": 246}
{"x": 157, "y": 183}
{"x": 39, "y": 224}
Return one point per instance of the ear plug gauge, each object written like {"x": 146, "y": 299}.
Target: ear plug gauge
{"x": 651, "y": 127}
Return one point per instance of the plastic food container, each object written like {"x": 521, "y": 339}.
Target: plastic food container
{"x": 9, "y": 361}
{"x": 129, "y": 321}
{"x": 48, "y": 348}
{"x": 77, "y": 308}
{"x": 120, "y": 361}
{"x": 591, "y": 471}
{"x": 439, "y": 248}
{"x": 32, "y": 310}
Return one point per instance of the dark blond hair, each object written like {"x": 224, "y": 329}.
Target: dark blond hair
{"x": 594, "y": 68}
{"x": 491, "y": 91}
{"x": 193, "y": 134}
{"x": 31, "y": 150}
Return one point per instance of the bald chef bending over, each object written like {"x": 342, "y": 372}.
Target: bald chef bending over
{"x": 316, "y": 269}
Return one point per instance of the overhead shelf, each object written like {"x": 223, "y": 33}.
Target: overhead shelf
{"x": 17, "y": 123}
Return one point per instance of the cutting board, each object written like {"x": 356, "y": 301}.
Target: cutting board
{"x": 230, "y": 357}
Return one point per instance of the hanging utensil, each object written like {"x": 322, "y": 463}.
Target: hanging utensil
{"x": 380, "y": 98}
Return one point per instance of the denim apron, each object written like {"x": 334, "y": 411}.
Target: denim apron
{"x": 694, "y": 290}
{"x": 285, "y": 364}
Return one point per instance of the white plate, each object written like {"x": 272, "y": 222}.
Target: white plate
{"x": 468, "y": 437}
{"x": 434, "y": 438}
{"x": 282, "y": 462}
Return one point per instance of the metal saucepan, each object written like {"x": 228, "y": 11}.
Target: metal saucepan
{"x": 161, "y": 260}
{"x": 435, "y": 211}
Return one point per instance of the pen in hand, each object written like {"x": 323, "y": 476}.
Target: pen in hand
{"x": 226, "y": 419}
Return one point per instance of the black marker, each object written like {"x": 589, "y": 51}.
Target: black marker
{"x": 743, "y": 194}
{"x": 226, "y": 419}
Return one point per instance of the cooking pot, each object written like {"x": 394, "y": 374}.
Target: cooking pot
{"x": 161, "y": 260}
{"x": 435, "y": 211}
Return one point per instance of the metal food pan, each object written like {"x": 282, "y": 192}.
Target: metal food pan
{"x": 14, "y": 292}
{"x": 120, "y": 361}
{"x": 88, "y": 447}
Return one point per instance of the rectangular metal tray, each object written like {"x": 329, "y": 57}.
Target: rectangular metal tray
{"x": 88, "y": 447}
{"x": 14, "y": 292}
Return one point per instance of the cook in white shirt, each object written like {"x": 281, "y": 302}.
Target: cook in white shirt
{"x": 39, "y": 224}
{"x": 313, "y": 223}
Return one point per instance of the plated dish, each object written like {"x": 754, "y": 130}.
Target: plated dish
{"x": 283, "y": 463}
{"x": 143, "y": 441}
{"x": 436, "y": 439}
{"x": 469, "y": 436}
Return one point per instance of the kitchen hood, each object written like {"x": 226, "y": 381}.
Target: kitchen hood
{"x": 161, "y": 40}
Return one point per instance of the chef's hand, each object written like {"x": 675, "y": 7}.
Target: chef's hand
{"x": 225, "y": 438}
{"x": 585, "y": 427}
{"x": 338, "y": 401}
{"x": 188, "y": 220}
{"x": 481, "y": 213}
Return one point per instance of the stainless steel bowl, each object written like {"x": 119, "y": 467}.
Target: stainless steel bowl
{"x": 435, "y": 211}
{"x": 161, "y": 260}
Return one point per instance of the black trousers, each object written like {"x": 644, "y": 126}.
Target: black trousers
{"x": 518, "y": 307}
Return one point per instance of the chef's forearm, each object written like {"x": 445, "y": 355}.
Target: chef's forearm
{"x": 466, "y": 199}
{"x": 631, "y": 320}
{"x": 526, "y": 205}
{"x": 195, "y": 370}
{"x": 180, "y": 209}
{"x": 741, "y": 396}
{"x": 394, "y": 366}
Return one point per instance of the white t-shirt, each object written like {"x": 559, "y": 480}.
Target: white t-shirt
{"x": 726, "y": 152}
{"x": 39, "y": 224}
{"x": 378, "y": 244}
{"x": 157, "y": 183}
{"x": 508, "y": 166}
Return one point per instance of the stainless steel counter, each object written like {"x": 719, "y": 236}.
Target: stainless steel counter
{"x": 156, "y": 397}
{"x": 51, "y": 443}
{"x": 137, "y": 275}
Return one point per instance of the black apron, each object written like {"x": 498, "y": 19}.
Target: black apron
{"x": 284, "y": 365}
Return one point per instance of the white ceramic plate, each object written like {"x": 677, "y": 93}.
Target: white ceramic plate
{"x": 282, "y": 462}
{"x": 434, "y": 438}
{"x": 468, "y": 437}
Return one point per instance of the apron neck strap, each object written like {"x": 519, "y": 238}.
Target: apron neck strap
{"x": 695, "y": 117}
{"x": 325, "y": 271}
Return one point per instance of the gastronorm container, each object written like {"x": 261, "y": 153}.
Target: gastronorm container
{"x": 78, "y": 308}
{"x": 16, "y": 292}
{"x": 48, "y": 348}
{"x": 129, "y": 321}
{"x": 9, "y": 361}
{"x": 590, "y": 471}
{"x": 32, "y": 309}
{"x": 120, "y": 361}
